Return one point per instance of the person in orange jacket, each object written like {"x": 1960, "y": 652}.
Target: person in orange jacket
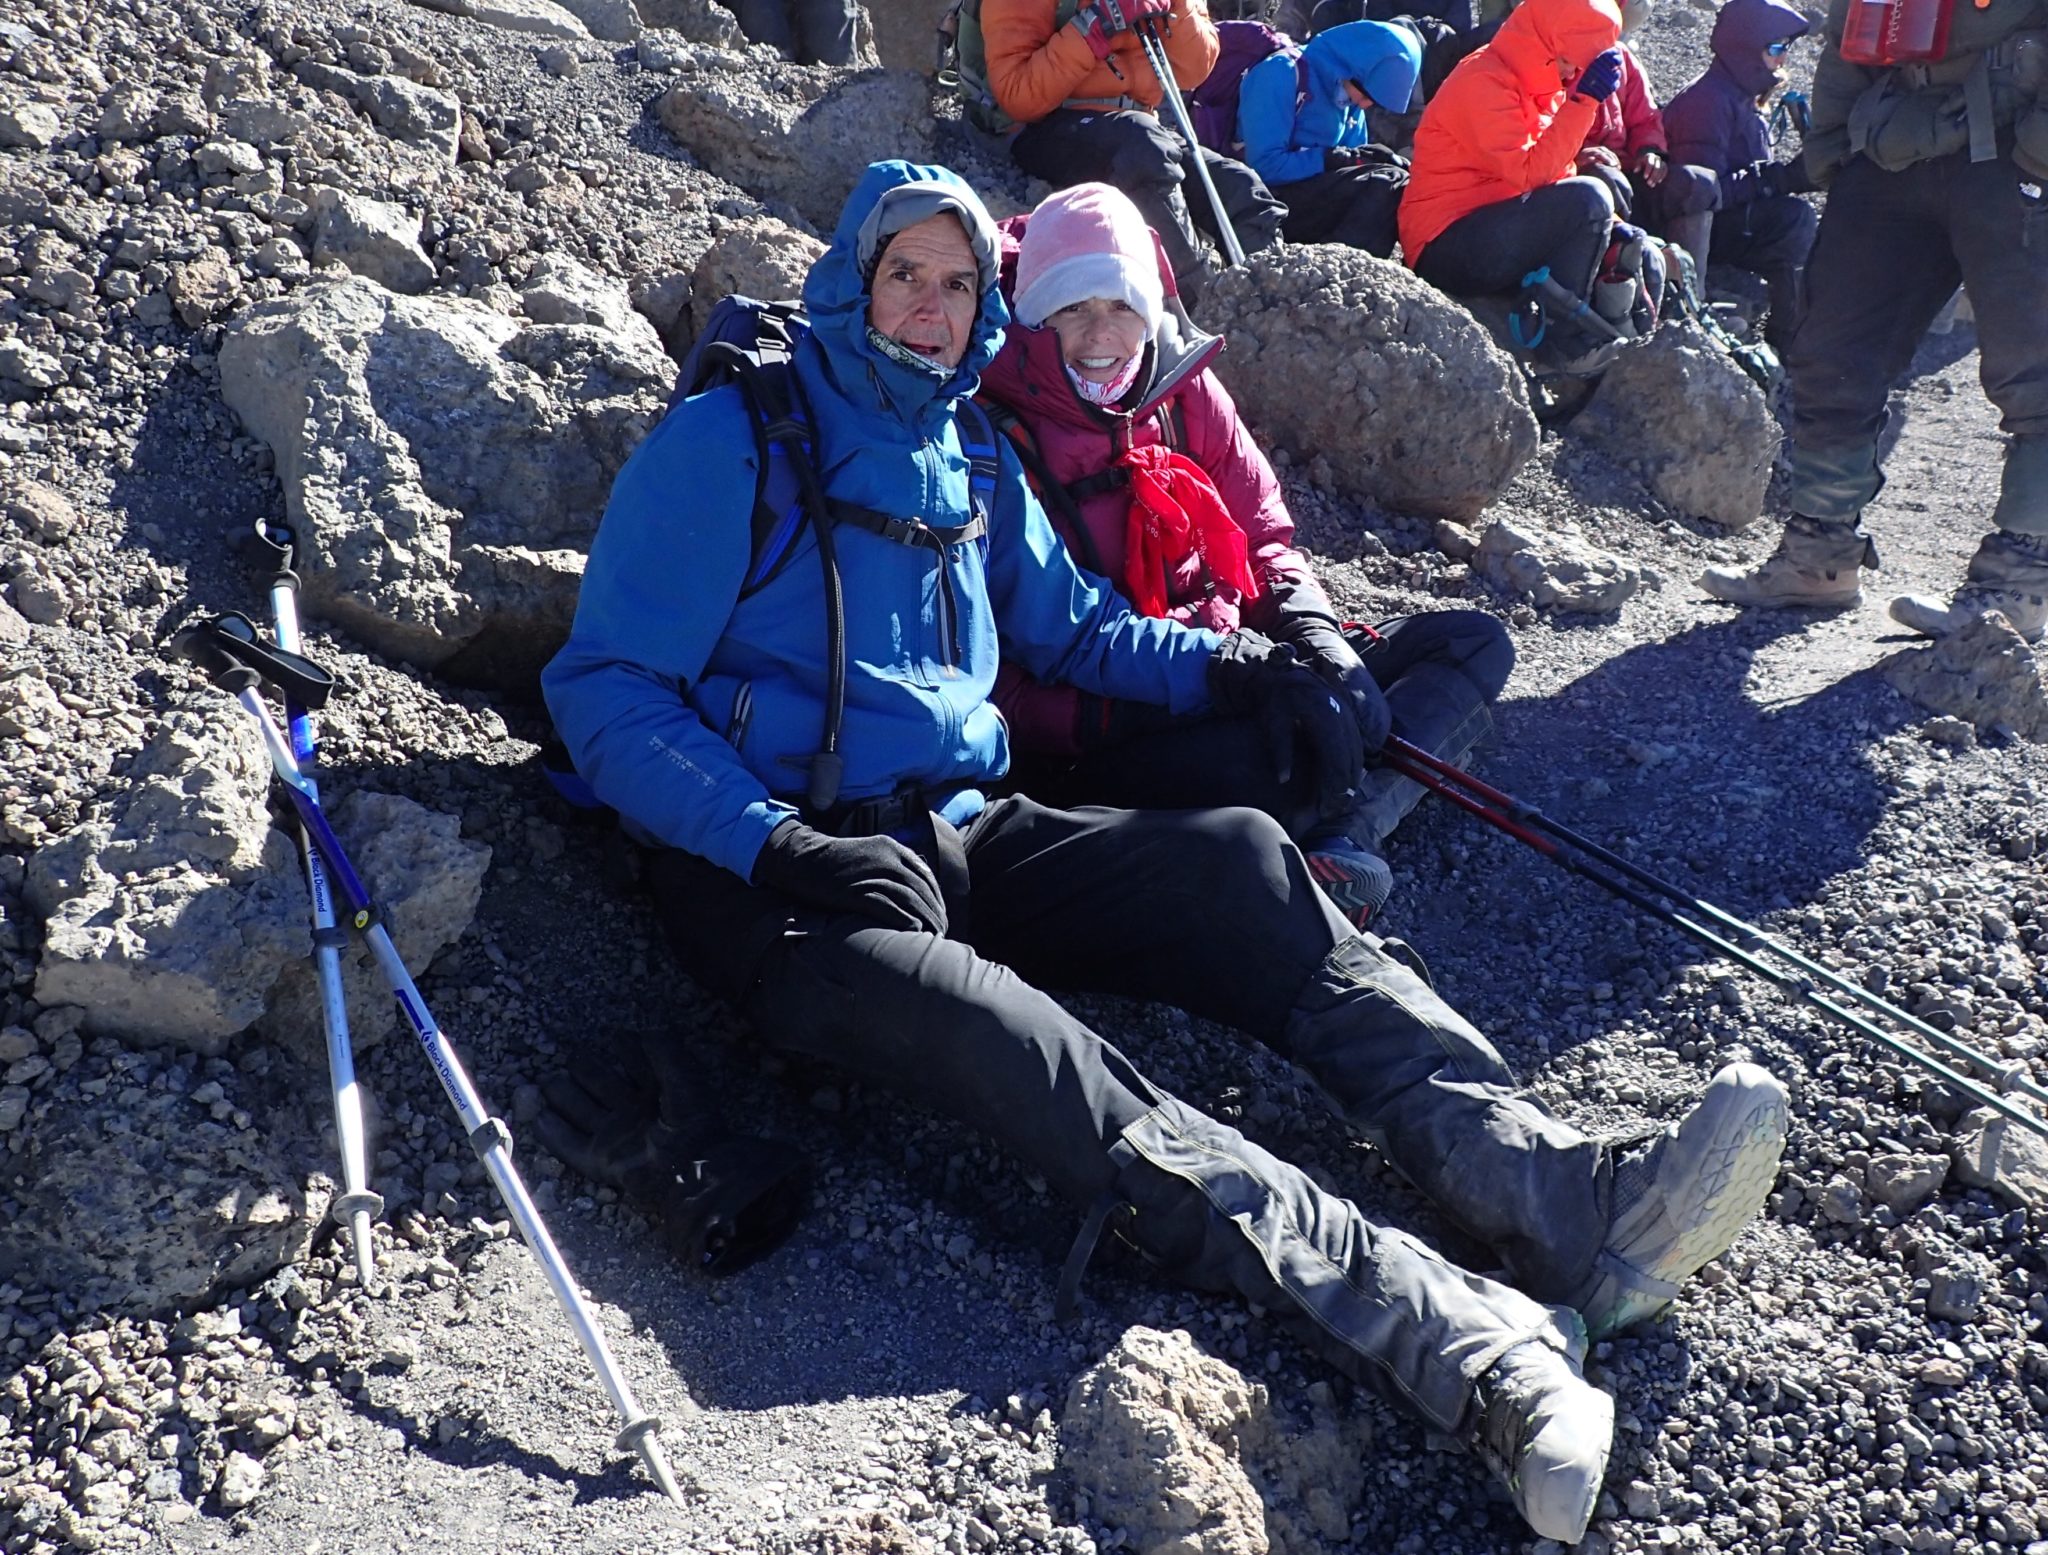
{"x": 1076, "y": 79}
{"x": 1492, "y": 195}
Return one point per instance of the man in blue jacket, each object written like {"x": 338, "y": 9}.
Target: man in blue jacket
{"x": 1302, "y": 119}
{"x": 900, "y": 928}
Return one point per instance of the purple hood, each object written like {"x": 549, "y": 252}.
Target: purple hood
{"x": 1740, "y": 33}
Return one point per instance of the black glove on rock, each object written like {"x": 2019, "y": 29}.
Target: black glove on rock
{"x": 632, "y": 1119}
{"x": 1322, "y": 646}
{"x": 874, "y": 877}
{"x": 1253, "y": 676}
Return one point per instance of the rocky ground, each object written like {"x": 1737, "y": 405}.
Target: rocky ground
{"x": 413, "y": 277}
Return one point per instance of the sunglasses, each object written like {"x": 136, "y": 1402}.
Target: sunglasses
{"x": 1777, "y": 50}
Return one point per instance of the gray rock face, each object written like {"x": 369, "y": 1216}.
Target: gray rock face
{"x": 1557, "y": 569}
{"x": 760, "y": 257}
{"x": 373, "y": 238}
{"x": 615, "y": 21}
{"x": 170, "y": 920}
{"x": 699, "y": 21}
{"x": 543, "y": 17}
{"x": 1985, "y": 673}
{"x": 1184, "y": 1453}
{"x": 797, "y": 133}
{"x": 1679, "y": 413}
{"x": 1335, "y": 353}
{"x": 906, "y": 33}
{"x": 189, "y": 1186}
{"x": 419, "y": 115}
{"x": 565, "y": 292}
{"x": 426, "y": 878}
{"x": 445, "y": 464}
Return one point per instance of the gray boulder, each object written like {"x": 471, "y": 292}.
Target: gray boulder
{"x": 1336, "y": 354}
{"x": 1992, "y": 1151}
{"x": 563, "y": 291}
{"x": 615, "y": 21}
{"x": 1555, "y": 567}
{"x": 31, "y": 125}
{"x": 699, "y": 21}
{"x": 417, "y": 115}
{"x": 426, "y": 879}
{"x": 1677, "y": 411}
{"x": 1984, "y": 673}
{"x": 374, "y": 238}
{"x": 169, "y": 920}
{"x": 798, "y": 133}
{"x": 542, "y": 17}
{"x": 445, "y": 465}
{"x": 759, "y": 257}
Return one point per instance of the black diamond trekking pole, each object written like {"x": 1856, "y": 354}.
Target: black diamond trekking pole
{"x": 357, "y": 1206}
{"x": 232, "y": 653}
{"x": 1155, "y": 55}
{"x": 1639, "y": 887}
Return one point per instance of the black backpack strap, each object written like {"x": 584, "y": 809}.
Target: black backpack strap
{"x": 1050, "y": 491}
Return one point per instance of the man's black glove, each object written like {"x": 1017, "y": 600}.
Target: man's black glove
{"x": 1786, "y": 177}
{"x": 1371, "y": 154}
{"x": 631, "y": 1118}
{"x": 1321, "y": 645}
{"x": 873, "y": 877}
{"x": 1253, "y": 676}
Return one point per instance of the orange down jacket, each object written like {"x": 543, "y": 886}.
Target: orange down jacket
{"x": 1034, "y": 65}
{"x": 1503, "y": 123}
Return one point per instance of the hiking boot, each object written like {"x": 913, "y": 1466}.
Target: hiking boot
{"x": 1546, "y": 1432}
{"x": 1680, "y": 1198}
{"x": 2008, "y": 574}
{"x": 1814, "y": 567}
{"x": 1352, "y": 874}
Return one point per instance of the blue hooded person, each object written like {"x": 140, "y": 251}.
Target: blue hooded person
{"x": 1302, "y": 116}
{"x": 810, "y": 754}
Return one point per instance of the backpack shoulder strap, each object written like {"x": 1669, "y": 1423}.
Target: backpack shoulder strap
{"x": 1050, "y": 491}
{"x": 781, "y": 437}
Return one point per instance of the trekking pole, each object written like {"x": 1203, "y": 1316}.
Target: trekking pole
{"x": 357, "y": 1206}
{"x": 233, "y": 655}
{"x": 1571, "y": 850}
{"x": 1574, "y": 305}
{"x": 1155, "y": 56}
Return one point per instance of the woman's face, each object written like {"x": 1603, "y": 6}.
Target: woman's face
{"x": 1098, "y": 337}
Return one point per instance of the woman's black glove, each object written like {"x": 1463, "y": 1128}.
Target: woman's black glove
{"x": 1255, "y": 677}
{"x": 872, "y": 877}
{"x": 633, "y": 1119}
{"x": 1322, "y": 646}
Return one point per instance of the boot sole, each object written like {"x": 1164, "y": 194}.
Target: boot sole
{"x": 1771, "y": 601}
{"x": 1356, "y": 893}
{"x": 1730, "y": 1176}
{"x": 1931, "y": 618}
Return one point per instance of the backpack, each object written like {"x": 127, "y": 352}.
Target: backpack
{"x": 751, "y": 345}
{"x": 963, "y": 62}
{"x": 1212, "y": 106}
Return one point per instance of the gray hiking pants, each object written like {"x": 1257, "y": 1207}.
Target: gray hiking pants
{"x": 1216, "y": 912}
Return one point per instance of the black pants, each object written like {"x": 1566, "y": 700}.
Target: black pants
{"x": 1563, "y": 226}
{"x": 811, "y": 32}
{"x": 1892, "y": 249}
{"x": 1771, "y": 236}
{"x": 1357, "y": 206}
{"x": 1143, "y": 156}
{"x": 1201, "y": 761}
{"x": 1216, "y": 912}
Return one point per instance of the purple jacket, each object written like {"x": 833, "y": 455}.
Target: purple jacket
{"x": 1715, "y": 123}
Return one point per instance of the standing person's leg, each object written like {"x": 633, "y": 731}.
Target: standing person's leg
{"x": 1133, "y": 152}
{"x": 2000, "y": 236}
{"x": 932, "y": 1020}
{"x": 1773, "y": 237}
{"x": 1562, "y": 225}
{"x": 1880, "y": 269}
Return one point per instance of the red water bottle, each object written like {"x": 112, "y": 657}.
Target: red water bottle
{"x": 1896, "y": 32}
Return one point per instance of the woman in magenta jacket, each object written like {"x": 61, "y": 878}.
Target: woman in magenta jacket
{"x": 1105, "y": 385}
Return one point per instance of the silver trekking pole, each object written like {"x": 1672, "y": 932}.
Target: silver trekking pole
{"x": 357, "y": 1206}
{"x": 234, "y": 656}
{"x": 1155, "y": 56}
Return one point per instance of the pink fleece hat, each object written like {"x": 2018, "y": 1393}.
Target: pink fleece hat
{"x": 1087, "y": 241}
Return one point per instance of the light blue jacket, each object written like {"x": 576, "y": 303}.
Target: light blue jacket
{"x": 694, "y": 713}
{"x": 1286, "y": 131}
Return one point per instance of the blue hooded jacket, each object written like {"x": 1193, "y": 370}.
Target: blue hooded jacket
{"x": 1284, "y": 142}
{"x": 694, "y": 713}
{"x": 1715, "y": 122}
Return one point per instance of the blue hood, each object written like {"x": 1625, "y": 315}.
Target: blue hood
{"x": 1740, "y": 33}
{"x": 889, "y": 197}
{"x": 1385, "y": 60}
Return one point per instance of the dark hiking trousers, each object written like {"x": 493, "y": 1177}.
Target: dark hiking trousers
{"x": 1486, "y": 253}
{"x": 1145, "y": 157}
{"x": 1891, "y": 250}
{"x": 811, "y": 32}
{"x": 1771, "y": 236}
{"x": 1214, "y": 911}
{"x": 1435, "y": 669}
{"x": 1358, "y": 206}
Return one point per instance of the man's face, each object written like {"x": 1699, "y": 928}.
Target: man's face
{"x": 927, "y": 290}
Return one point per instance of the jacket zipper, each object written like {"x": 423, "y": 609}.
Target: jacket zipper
{"x": 742, "y": 716}
{"x": 949, "y": 620}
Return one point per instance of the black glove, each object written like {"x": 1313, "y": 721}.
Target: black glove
{"x": 1252, "y": 676}
{"x": 874, "y": 877}
{"x": 1785, "y": 177}
{"x": 632, "y": 1119}
{"x": 1600, "y": 79}
{"x": 1337, "y": 158}
{"x": 1321, "y": 645}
